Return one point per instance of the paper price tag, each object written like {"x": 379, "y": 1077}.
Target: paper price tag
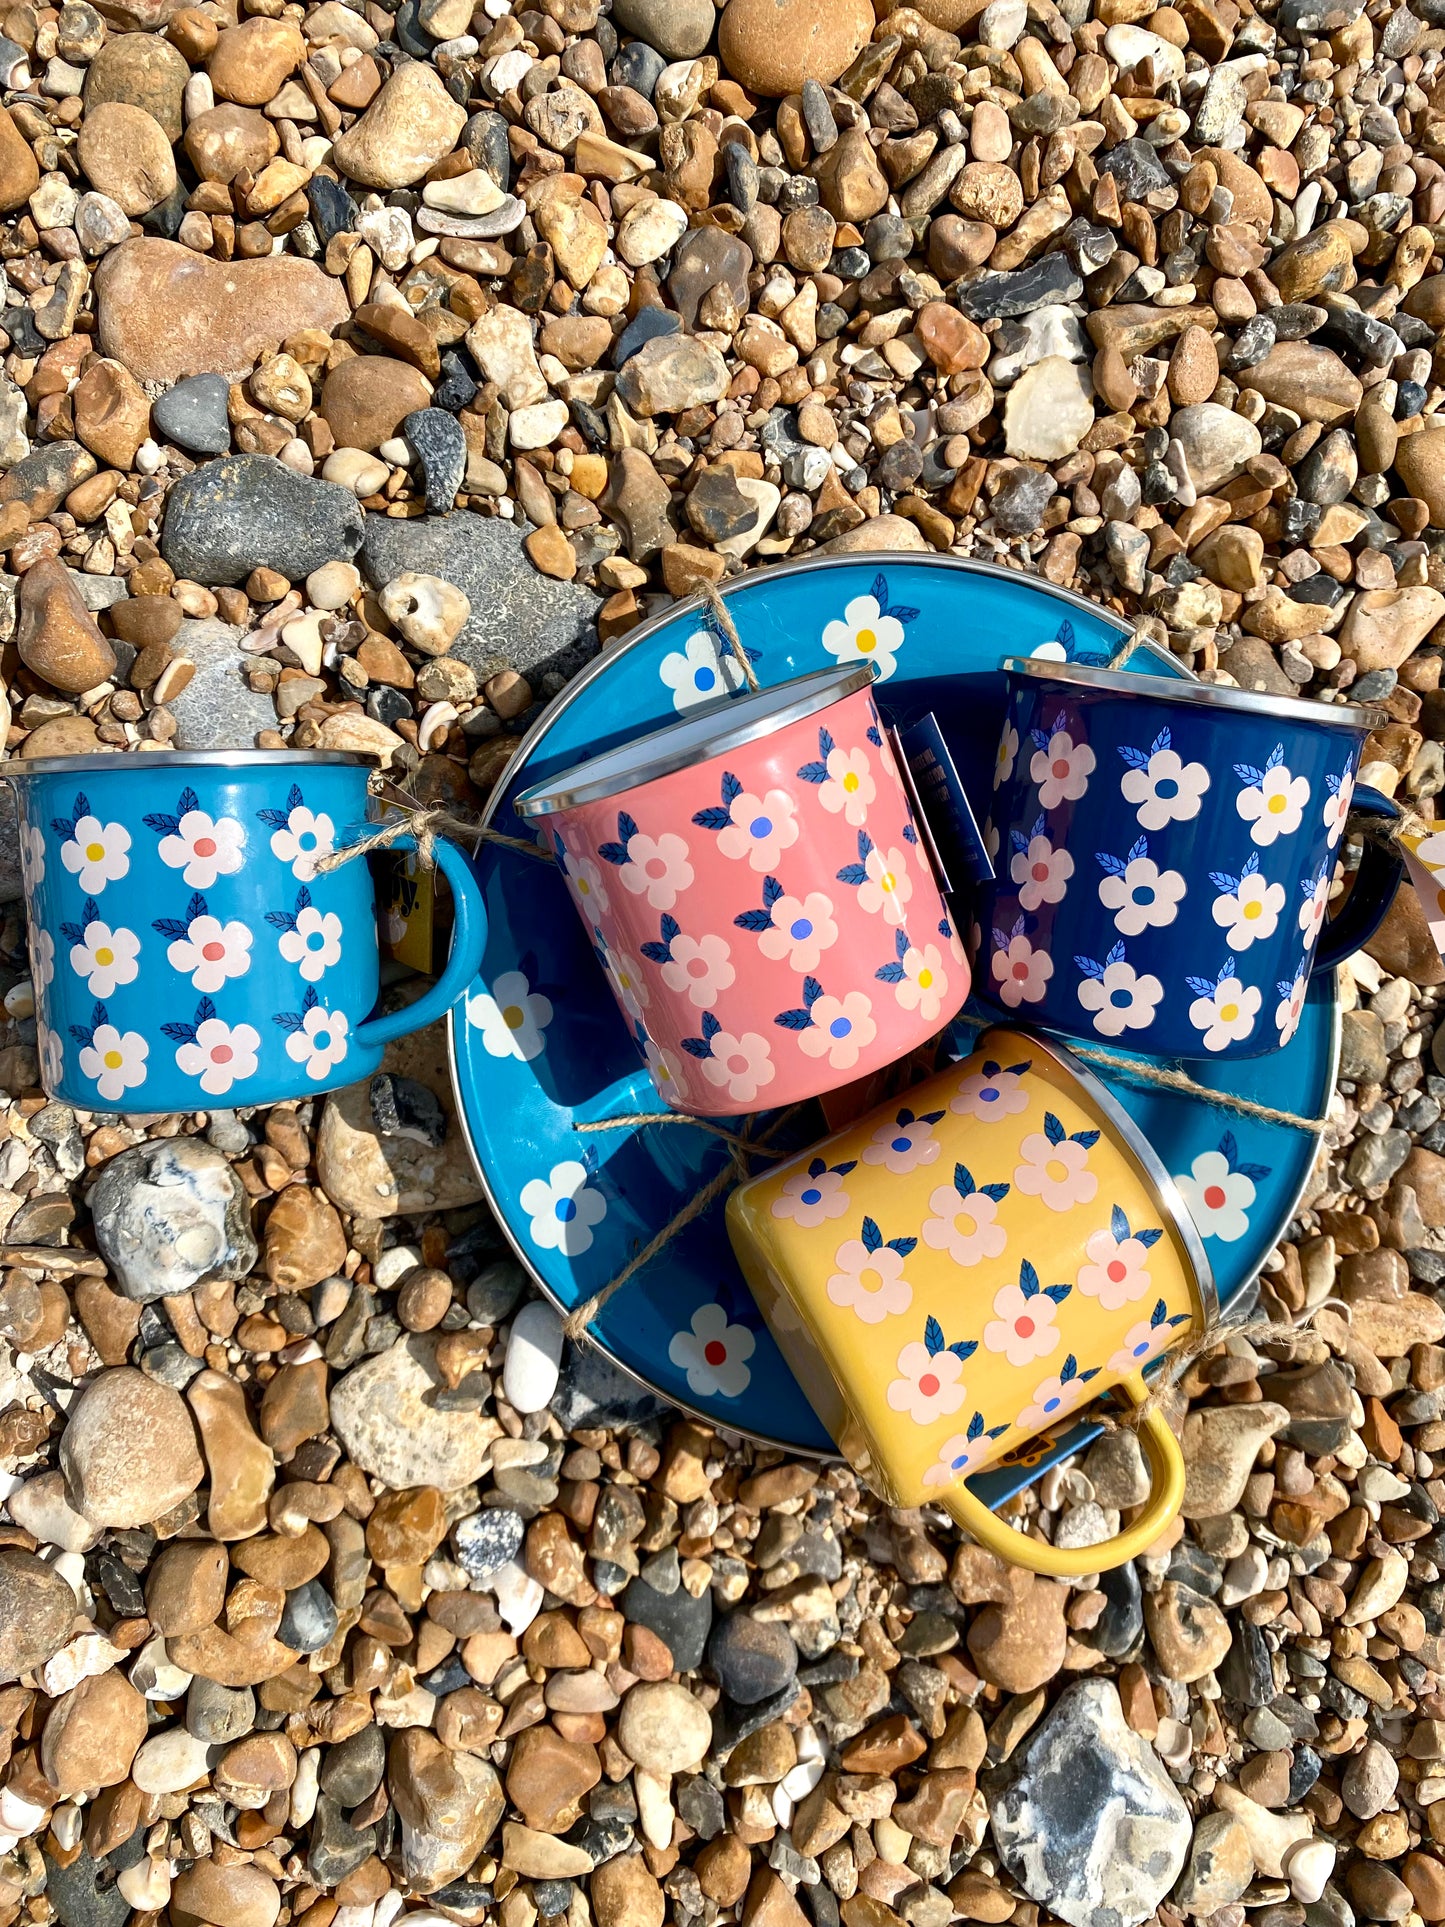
{"x": 1425, "y": 866}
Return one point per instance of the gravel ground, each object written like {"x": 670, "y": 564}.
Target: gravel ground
{"x": 365, "y": 365}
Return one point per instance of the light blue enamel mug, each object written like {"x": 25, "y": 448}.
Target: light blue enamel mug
{"x": 187, "y": 952}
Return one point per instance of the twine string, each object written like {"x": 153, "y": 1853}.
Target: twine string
{"x": 1163, "y": 1390}
{"x": 426, "y": 823}
{"x": 633, "y": 1120}
{"x": 1171, "y": 1078}
{"x": 722, "y": 616}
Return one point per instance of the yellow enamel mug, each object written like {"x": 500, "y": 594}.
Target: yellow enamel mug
{"x": 952, "y": 1276}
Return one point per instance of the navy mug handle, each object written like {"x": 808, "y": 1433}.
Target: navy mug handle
{"x": 469, "y": 940}
{"x": 1377, "y": 880}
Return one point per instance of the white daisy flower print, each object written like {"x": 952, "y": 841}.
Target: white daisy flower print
{"x": 665, "y": 1069}
{"x": 626, "y": 981}
{"x": 1337, "y": 806}
{"x": 1247, "y": 908}
{"x": 655, "y": 867}
{"x": 1162, "y": 787}
{"x": 965, "y": 1452}
{"x": 799, "y": 929}
{"x": 1061, "y": 768}
{"x": 906, "y": 1144}
{"x": 963, "y": 1221}
{"x": 316, "y": 1037}
{"x": 1118, "y": 1269}
{"x": 1116, "y": 995}
{"x": 757, "y": 828}
{"x": 992, "y": 1094}
{"x": 310, "y": 938}
{"x": 1041, "y": 872}
{"x": 564, "y": 1209}
{"x": 1020, "y": 972}
{"x": 881, "y": 879}
{"x": 217, "y": 1053}
{"x": 42, "y": 956}
{"x": 869, "y": 631}
{"x": 918, "y": 977}
{"x": 52, "y": 1056}
{"x": 1146, "y": 1340}
{"x": 869, "y": 1280}
{"x": 1006, "y": 757}
{"x": 1140, "y": 894}
{"x": 1022, "y": 1327}
{"x": 841, "y": 1028}
{"x": 1224, "y": 1010}
{"x": 1316, "y": 903}
{"x": 1218, "y": 1190}
{"x": 1272, "y": 802}
{"x": 930, "y": 1384}
{"x": 585, "y": 881}
{"x": 511, "y": 1017}
{"x": 1291, "y": 1006}
{"x": 701, "y": 671}
{"x": 1056, "y": 1396}
{"x": 105, "y": 957}
{"x": 844, "y": 780}
{"x": 810, "y": 1198}
{"x": 204, "y": 948}
{"x": 32, "y": 855}
{"x": 200, "y": 846}
{"x": 1054, "y": 1166}
{"x": 113, "y": 1060}
{"x": 741, "y": 1065}
{"x": 699, "y": 968}
{"x": 299, "y": 836}
{"x": 714, "y": 1353}
{"x": 94, "y": 853}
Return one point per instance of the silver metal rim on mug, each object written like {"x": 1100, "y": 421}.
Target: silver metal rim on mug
{"x": 106, "y": 764}
{"x": 683, "y": 745}
{"x": 1166, "y": 1191}
{"x": 1199, "y": 695}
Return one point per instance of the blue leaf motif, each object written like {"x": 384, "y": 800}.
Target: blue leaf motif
{"x": 933, "y": 1337}
{"x": 1118, "y": 1225}
{"x": 1028, "y": 1280}
{"x": 872, "y": 1236}
{"x": 1053, "y": 1129}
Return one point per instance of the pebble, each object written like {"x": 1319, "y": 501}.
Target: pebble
{"x": 382, "y": 1413}
{"x": 753, "y": 1659}
{"x": 56, "y": 635}
{"x": 37, "y": 1608}
{"x": 1220, "y": 1865}
{"x": 171, "y": 1215}
{"x": 248, "y": 511}
{"x": 663, "y": 1728}
{"x": 129, "y": 1449}
{"x": 193, "y": 414}
{"x": 1189, "y": 1633}
{"x": 773, "y": 46}
{"x": 534, "y": 1352}
{"x": 406, "y": 130}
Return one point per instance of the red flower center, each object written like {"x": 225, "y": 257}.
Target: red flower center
{"x": 715, "y": 1352}
{"x": 213, "y": 951}
{"x": 1021, "y": 970}
{"x": 655, "y": 867}
{"x": 1060, "y": 768}
{"x": 221, "y": 1053}
{"x": 1024, "y": 1327}
{"x": 204, "y": 846}
{"x": 1116, "y": 1271}
{"x": 928, "y": 1385}
{"x": 1214, "y": 1196}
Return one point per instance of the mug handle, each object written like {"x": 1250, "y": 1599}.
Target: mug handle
{"x": 469, "y": 940}
{"x": 1376, "y": 882}
{"x": 1166, "y": 1463}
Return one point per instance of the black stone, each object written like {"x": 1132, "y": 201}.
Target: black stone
{"x": 388, "y": 706}
{"x": 337, "y": 1848}
{"x": 219, "y": 1714}
{"x": 1304, "y": 1769}
{"x": 1299, "y": 520}
{"x": 244, "y": 512}
{"x": 1297, "y": 320}
{"x": 333, "y": 211}
{"x": 887, "y": 237}
{"x": 552, "y": 1897}
{"x": 831, "y": 1670}
{"x": 1252, "y": 344}
{"x": 821, "y": 1906}
{"x": 851, "y": 264}
{"x": 165, "y": 218}
{"x": 25, "y": 338}
{"x": 1190, "y": 1565}
{"x": 1022, "y": 498}
{"x": 485, "y": 139}
{"x": 1375, "y": 341}
{"x": 494, "y": 1291}
{"x": 1088, "y": 247}
{"x": 731, "y": 1722}
{"x": 831, "y": 321}
{"x": 899, "y": 465}
{"x": 1294, "y": 1715}
{"x": 401, "y": 1107}
{"x": 701, "y": 1806}
{"x": 171, "y": 1365}
{"x": 594, "y": 1392}
{"x": 1120, "y": 1626}
{"x": 602, "y": 1840}
{"x": 798, "y": 190}
{"x": 753, "y": 1659}
{"x": 457, "y": 387}
{"x": 742, "y": 177}
{"x": 1319, "y": 590}
{"x": 818, "y": 117}
{"x": 463, "y": 1897}
{"x": 487, "y": 1540}
{"x": 681, "y": 1622}
{"x": 1245, "y": 1673}
{"x": 194, "y": 415}
{"x": 1136, "y": 167}
{"x": 84, "y": 1894}
{"x": 637, "y": 66}
{"x": 309, "y": 1621}
{"x": 997, "y": 296}
{"x": 646, "y": 325}
{"x": 119, "y": 1584}
{"x": 408, "y": 31}
{"x": 441, "y": 448}
{"x": 1409, "y": 397}
{"x": 351, "y": 1771}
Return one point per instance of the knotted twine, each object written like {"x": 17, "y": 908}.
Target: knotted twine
{"x": 426, "y": 822}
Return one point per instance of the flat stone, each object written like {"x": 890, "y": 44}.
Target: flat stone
{"x": 1313, "y": 382}
{"x": 228, "y": 140}
{"x": 248, "y": 511}
{"x": 663, "y": 1728}
{"x": 144, "y": 70}
{"x": 1049, "y": 410}
{"x": 1090, "y": 1824}
{"x": 170, "y": 1215}
{"x": 365, "y": 400}
{"x": 1220, "y": 1447}
{"x": 670, "y": 373}
{"x": 128, "y": 154}
{"x": 92, "y": 1734}
{"x": 518, "y": 619}
{"x": 37, "y": 1610}
{"x": 1220, "y": 1865}
{"x": 217, "y": 709}
{"x": 194, "y": 415}
{"x": 167, "y": 312}
{"x": 1188, "y": 1632}
{"x": 229, "y": 1896}
{"x": 242, "y": 1469}
{"x": 129, "y": 1449}
{"x": 679, "y": 1620}
{"x": 679, "y": 29}
{"x": 380, "y": 1411}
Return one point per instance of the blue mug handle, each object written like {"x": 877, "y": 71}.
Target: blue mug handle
{"x": 1377, "y": 880}
{"x": 469, "y": 940}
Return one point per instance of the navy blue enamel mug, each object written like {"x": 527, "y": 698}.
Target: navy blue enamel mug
{"x": 1165, "y": 850}
{"x": 187, "y": 953}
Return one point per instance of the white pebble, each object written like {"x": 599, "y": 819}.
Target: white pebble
{"x": 534, "y": 1352}
{"x": 147, "y": 1885}
{"x": 1307, "y": 1867}
{"x": 518, "y": 1596}
{"x": 304, "y": 1789}
{"x": 396, "y": 450}
{"x": 798, "y": 1782}
{"x": 148, "y": 457}
{"x": 333, "y": 585}
{"x": 170, "y": 1762}
{"x": 20, "y": 999}
{"x": 153, "y": 1674}
{"x": 392, "y": 1266}
{"x": 782, "y": 1806}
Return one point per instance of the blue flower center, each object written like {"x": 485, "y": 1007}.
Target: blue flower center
{"x": 306, "y": 839}
{"x": 989, "y": 1096}
{"x": 1052, "y": 1404}
{"x": 566, "y": 1209}
{"x": 315, "y": 940}
{"x": 1167, "y": 788}
{"x": 811, "y": 1196}
{"x": 799, "y": 929}
{"x": 760, "y": 826}
{"x": 1140, "y": 1349}
{"x": 839, "y": 1027}
{"x": 704, "y": 678}
{"x": 901, "y": 1144}
{"x": 960, "y": 1462}
{"x": 1144, "y": 893}
{"x": 1121, "y": 999}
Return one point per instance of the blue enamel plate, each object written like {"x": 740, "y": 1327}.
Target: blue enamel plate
{"x": 539, "y": 1049}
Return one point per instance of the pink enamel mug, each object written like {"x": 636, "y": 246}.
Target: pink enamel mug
{"x": 756, "y": 891}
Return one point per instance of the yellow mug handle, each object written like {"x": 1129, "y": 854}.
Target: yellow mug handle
{"x": 1166, "y": 1463}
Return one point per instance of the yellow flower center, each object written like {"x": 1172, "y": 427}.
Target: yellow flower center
{"x": 514, "y": 1016}
{"x": 925, "y": 978}
{"x": 112, "y": 1060}
{"x": 1228, "y": 1012}
{"x": 1252, "y": 910}
{"x": 94, "y": 852}
{"x": 870, "y": 1280}
{"x": 1279, "y": 801}
{"x": 1056, "y": 1170}
{"x": 866, "y": 641}
{"x": 888, "y": 881}
{"x": 583, "y": 887}
{"x": 850, "y": 782}
{"x": 105, "y": 956}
